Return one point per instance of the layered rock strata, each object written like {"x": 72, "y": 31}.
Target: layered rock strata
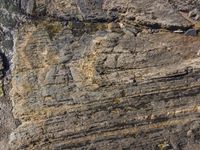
{"x": 99, "y": 74}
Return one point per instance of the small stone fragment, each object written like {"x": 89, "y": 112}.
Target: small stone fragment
{"x": 178, "y": 31}
{"x": 194, "y": 14}
{"x": 191, "y": 32}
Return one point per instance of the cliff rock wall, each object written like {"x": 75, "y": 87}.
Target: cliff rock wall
{"x": 99, "y": 74}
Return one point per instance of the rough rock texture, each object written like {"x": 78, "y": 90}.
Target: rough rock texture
{"x": 99, "y": 74}
{"x": 8, "y": 20}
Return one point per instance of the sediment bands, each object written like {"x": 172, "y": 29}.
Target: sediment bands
{"x": 100, "y": 75}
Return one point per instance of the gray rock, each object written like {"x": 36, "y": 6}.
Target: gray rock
{"x": 191, "y": 32}
{"x": 28, "y": 6}
{"x": 195, "y": 14}
{"x": 114, "y": 77}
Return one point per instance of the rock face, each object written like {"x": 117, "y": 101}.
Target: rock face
{"x": 99, "y": 74}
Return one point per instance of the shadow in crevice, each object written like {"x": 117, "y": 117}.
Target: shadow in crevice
{"x": 5, "y": 64}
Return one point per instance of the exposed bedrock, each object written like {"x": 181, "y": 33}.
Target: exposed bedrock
{"x": 105, "y": 90}
{"x": 99, "y": 74}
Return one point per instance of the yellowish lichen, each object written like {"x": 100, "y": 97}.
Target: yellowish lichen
{"x": 70, "y": 25}
{"x": 81, "y": 27}
{"x": 1, "y": 89}
{"x": 163, "y": 146}
{"x": 116, "y": 101}
{"x": 52, "y": 28}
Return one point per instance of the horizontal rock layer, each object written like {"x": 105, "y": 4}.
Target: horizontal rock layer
{"x": 105, "y": 89}
{"x": 99, "y": 74}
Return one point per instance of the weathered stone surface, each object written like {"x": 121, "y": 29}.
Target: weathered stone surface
{"x": 159, "y": 12}
{"x": 185, "y": 5}
{"x": 99, "y": 74}
{"x": 192, "y": 7}
{"x": 9, "y": 19}
{"x": 116, "y": 90}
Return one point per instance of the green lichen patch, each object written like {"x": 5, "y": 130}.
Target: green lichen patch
{"x": 52, "y": 28}
{"x": 80, "y": 27}
{"x": 164, "y": 146}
